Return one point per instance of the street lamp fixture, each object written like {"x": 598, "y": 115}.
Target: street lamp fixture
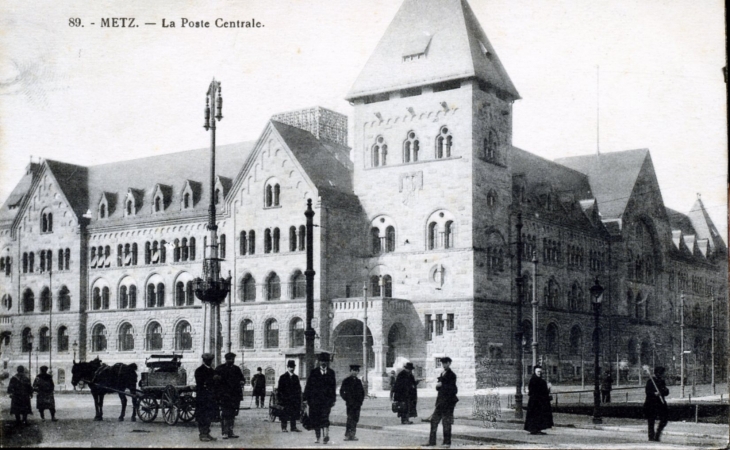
{"x": 75, "y": 347}
{"x": 597, "y": 296}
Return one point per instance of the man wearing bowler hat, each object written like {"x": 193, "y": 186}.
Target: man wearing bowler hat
{"x": 230, "y": 393}
{"x": 289, "y": 395}
{"x": 206, "y": 408}
{"x": 320, "y": 395}
{"x": 405, "y": 394}
{"x": 258, "y": 383}
{"x": 353, "y": 394}
{"x": 445, "y": 403}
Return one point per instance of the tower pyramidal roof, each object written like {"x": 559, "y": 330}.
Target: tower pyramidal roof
{"x": 429, "y": 42}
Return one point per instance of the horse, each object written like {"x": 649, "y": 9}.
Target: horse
{"x": 103, "y": 379}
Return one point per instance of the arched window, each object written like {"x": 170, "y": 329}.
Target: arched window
{"x": 130, "y": 207}
{"x": 273, "y": 287}
{"x": 269, "y": 196}
{"x": 186, "y": 200}
{"x": 638, "y": 304}
{"x": 28, "y": 301}
{"x": 276, "y": 239}
{"x": 551, "y": 338}
{"x": 251, "y": 242}
{"x": 67, "y": 259}
{"x": 160, "y": 295}
{"x": 134, "y": 254}
{"x": 102, "y": 212}
{"x": 31, "y": 262}
{"x": 387, "y": 286}
{"x": 491, "y": 198}
{"x": 151, "y": 296}
{"x": 120, "y": 256}
{"x": 292, "y": 239}
{"x": 247, "y": 334}
{"x": 98, "y": 338}
{"x": 180, "y": 294}
{"x": 242, "y": 245}
{"x": 248, "y": 288}
{"x": 43, "y": 261}
{"x": 123, "y": 297}
{"x": 45, "y": 340}
{"x": 177, "y": 250}
{"x": 375, "y": 238}
{"x": 192, "y": 249}
{"x": 105, "y": 298}
{"x": 390, "y": 239}
{"x": 47, "y": 222}
{"x": 432, "y": 235}
{"x": 154, "y": 336}
{"x": 374, "y": 286}
{"x": 147, "y": 253}
{"x": 443, "y": 144}
{"x": 217, "y": 196}
{"x": 552, "y": 293}
{"x": 26, "y": 344}
{"x": 222, "y": 247}
{"x": 126, "y": 337}
{"x": 62, "y": 341}
{"x": 132, "y": 297}
{"x": 163, "y": 251}
{"x": 270, "y": 375}
{"x": 7, "y": 302}
{"x": 298, "y": 285}
{"x": 296, "y": 332}
{"x": 302, "y": 238}
{"x": 267, "y": 240}
{"x": 576, "y": 341}
{"x": 491, "y": 144}
{"x": 184, "y": 249}
{"x": 45, "y": 299}
{"x": 183, "y": 336}
{"x": 158, "y": 203}
{"x": 189, "y": 294}
{"x": 410, "y": 148}
{"x": 277, "y": 193}
{"x": 379, "y": 152}
{"x": 448, "y": 240}
{"x": 271, "y": 334}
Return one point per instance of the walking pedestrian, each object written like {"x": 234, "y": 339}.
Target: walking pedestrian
{"x": 406, "y": 394}
{"x": 289, "y": 395}
{"x": 353, "y": 393}
{"x": 230, "y": 393}
{"x": 539, "y": 413}
{"x": 21, "y": 392}
{"x": 44, "y": 387}
{"x": 606, "y": 387}
{"x": 258, "y": 383}
{"x": 392, "y": 383}
{"x": 445, "y": 403}
{"x": 320, "y": 395}
{"x": 655, "y": 405}
{"x": 206, "y": 407}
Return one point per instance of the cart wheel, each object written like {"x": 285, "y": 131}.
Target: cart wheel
{"x": 170, "y": 402}
{"x": 187, "y": 408}
{"x": 147, "y": 409}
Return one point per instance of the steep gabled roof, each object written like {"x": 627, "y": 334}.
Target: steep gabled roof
{"x": 11, "y": 207}
{"x": 612, "y": 177}
{"x": 538, "y": 171}
{"x": 704, "y": 226}
{"x": 72, "y": 180}
{"x": 428, "y": 42}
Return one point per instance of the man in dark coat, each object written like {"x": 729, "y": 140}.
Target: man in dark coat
{"x": 230, "y": 393}
{"x": 539, "y": 413}
{"x": 289, "y": 395}
{"x": 21, "y": 392}
{"x": 206, "y": 407}
{"x": 655, "y": 404}
{"x": 44, "y": 387}
{"x": 445, "y": 403}
{"x": 320, "y": 395}
{"x": 353, "y": 394}
{"x": 405, "y": 393}
{"x": 258, "y": 383}
{"x": 606, "y": 386}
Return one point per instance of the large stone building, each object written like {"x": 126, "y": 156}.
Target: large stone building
{"x": 422, "y": 212}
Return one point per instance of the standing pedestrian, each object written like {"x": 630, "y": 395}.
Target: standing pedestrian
{"x": 320, "y": 395}
{"x": 391, "y": 379}
{"x": 206, "y": 407}
{"x": 445, "y": 403}
{"x": 289, "y": 395}
{"x": 353, "y": 394}
{"x": 21, "y": 392}
{"x": 44, "y": 387}
{"x": 405, "y": 393}
{"x": 606, "y": 386}
{"x": 655, "y": 405}
{"x": 539, "y": 413}
{"x": 230, "y": 393}
{"x": 258, "y": 383}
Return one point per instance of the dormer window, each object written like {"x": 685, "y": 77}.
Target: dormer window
{"x": 272, "y": 194}
{"x": 130, "y": 207}
{"x": 102, "y": 212}
{"x": 444, "y": 142}
{"x": 186, "y": 200}
{"x": 217, "y": 196}
{"x": 158, "y": 204}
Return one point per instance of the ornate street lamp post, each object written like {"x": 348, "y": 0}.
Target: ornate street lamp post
{"x": 681, "y": 342}
{"x": 309, "y": 333}
{"x": 211, "y": 289}
{"x": 534, "y": 310}
{"x": 596, "y": 294}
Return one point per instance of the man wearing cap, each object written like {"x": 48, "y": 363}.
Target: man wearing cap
{"x": 43, "y": 385}
{"x": 353, "y": 394}
{"x": 258, "y": 383}
{"x": 320, "y": 394}
{"x": 445, "y": 403}
{"x": 230, "y": 393}
{"x": 655, "y": 405}
{"x": 405, "y": 393}
{"x": 289, "y": 395}
{"x": 206, "y": 408}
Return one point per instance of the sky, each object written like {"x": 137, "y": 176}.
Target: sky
{"x": 612, "y": 74}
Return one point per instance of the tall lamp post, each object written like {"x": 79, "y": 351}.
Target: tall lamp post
{"x": 211, "y": 288}
{"x": 681, "y": 342}
{"x": 519, "y": 332}
{"x": 712, "y": 348}
{"x": 309, "y": 277}
{"x": 50, "y": 318}
{"x": 534, "y": 310}
{"x": 596, "y": 294}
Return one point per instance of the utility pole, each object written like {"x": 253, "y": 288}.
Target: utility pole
{"x": 365, "y": 337}
{"x": 681, "y": 342}
{"x": 519, "y": 333}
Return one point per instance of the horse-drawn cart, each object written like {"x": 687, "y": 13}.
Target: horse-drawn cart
{"x": 165, "y": 387}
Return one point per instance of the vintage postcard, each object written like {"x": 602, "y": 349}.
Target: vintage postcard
{"x": 369, "y": 223}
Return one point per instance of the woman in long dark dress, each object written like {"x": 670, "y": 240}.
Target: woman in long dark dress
{"x": 21, "y": 391}
{"x": 539, "y": 413}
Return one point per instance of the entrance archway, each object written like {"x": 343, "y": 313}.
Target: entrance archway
{"x": 398, "y": 344}
{"x": 348, "y": 347}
